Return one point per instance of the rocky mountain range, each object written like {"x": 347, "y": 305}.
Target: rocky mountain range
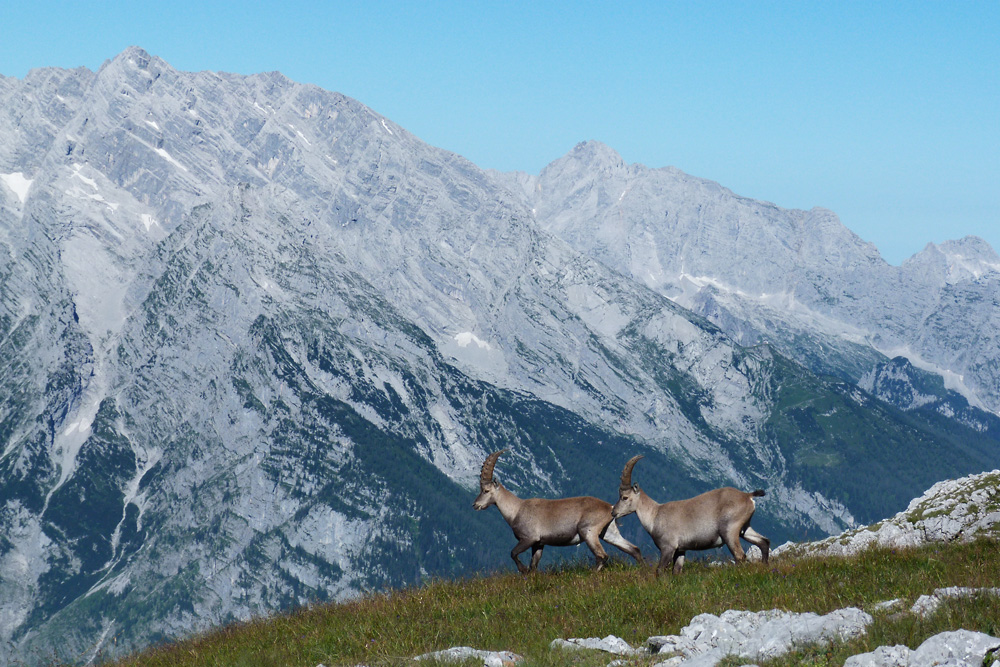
{"x": 802, "y": 281}
{"x": 257, "y": 339}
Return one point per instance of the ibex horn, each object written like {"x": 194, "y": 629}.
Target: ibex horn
{"x": 627, "y": 472}
{"x": 486, "y": 475}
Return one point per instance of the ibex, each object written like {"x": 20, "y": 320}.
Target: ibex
{"x": 538, "y": 522}
{"x": 717, "y": 517}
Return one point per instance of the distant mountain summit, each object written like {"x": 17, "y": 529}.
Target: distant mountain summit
{"x": 798, "y": 279}
{"x": 967, "y": 259}
{"x": 257, "y": 341}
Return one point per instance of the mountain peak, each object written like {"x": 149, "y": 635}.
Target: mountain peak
{"x": 596, "y": 154}
{"x": 584, "y": 163}
{"x": 133, "y": 56}
{"x": 971, "y": 247}
{"x": 133, "y": 61}
{"x": 962, "y": 259}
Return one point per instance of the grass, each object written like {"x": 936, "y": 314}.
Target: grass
{"x": 525, "y": 613}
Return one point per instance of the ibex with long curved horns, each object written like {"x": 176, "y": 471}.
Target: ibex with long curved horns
{"x": 540, "y": 522}
{"x": 717, "y": 517}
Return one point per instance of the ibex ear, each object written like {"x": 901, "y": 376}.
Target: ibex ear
{"x": 635, "y": 487}
{"x": 496, "y": 484}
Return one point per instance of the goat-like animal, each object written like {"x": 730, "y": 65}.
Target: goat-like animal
{"x": 717, "y": 517}
{"x": 540, "y": 522}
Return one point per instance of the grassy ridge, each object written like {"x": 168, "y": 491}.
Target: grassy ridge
{"x": 525, "y": 613}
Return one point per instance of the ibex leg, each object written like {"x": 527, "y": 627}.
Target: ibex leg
{"x": 666, "y": 558}
{"x": 613, "y": 537}
{"x": 761, "y": 542}
{"x": 595, "y": 546}
{"x": 536, "y": 555}
{"x": 518, "y": 549}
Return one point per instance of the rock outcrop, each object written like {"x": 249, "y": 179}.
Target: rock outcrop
{"x": 960, "y": 647}
{"x": 956, "y": 509}
{"x": 609, "y": 644}
{"x": 761, "y": 635}
{"x": 928, "y": 604}
{"x": 463, "y": 653}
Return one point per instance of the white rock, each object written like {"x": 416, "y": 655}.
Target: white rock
{"x": 758, "y": 635}
{"x": 928, "y": 604}
{"x": 671, "y": 644}
{"x": 960, "y": 647}
{"x": 609, "y": 644}
{"x": 883, "y": 656}
{"x": 671, "y": 662}
{"x": 460, "y": 653}
{"x": 925, "y": 605}
{"x": 886, "y": 605}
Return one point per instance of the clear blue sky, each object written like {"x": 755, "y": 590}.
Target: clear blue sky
{"x": 887, "y": 113}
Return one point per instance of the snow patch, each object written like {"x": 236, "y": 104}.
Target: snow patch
{"x": 386, "y": 126}
{"x": 270, "y": 287}
{"x": 467, "y": 338}
{"x": 166, "y": 156}
{"x": 152, "y": 124}
{"x": 301, "y": 136}
{"x": 469, "y": 349}
{"x": 79, "y": 193}
{"x": 77, "y": 168}
{"x": 148, "y": 221}
{"x": 17, "y": 184}
{"x": 83, "y": 425}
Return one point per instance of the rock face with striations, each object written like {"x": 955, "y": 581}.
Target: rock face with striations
{"x": 257, "y": 339}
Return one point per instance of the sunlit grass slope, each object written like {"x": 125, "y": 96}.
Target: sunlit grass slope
{"x": 525, "y": 613}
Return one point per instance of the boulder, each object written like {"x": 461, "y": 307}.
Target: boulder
{"x": 928, "y": 604}
{"x": 460, "y": 653}
{"x": 756, "y": 635}
{"x": 958, "y": 647}
{"x": 609, "y": 644}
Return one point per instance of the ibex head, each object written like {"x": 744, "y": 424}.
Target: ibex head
{"x": 628, "y": 493}
{"x": 487, "y": 485}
